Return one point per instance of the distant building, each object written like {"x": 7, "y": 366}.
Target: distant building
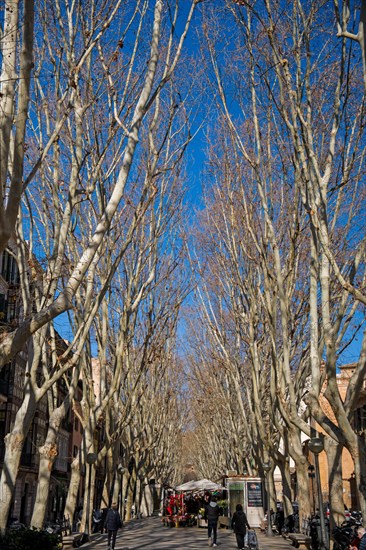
{"x": 11, "y": 397}
{"x": 359, "y": 423}
{"x": 190, "y": 473}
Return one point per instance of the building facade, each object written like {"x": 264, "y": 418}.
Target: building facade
{"x": 350, "y": 496}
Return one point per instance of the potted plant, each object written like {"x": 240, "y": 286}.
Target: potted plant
{"x": 224, "y": 505}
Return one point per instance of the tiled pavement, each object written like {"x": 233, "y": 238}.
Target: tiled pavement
{"x": 150, "y": 533}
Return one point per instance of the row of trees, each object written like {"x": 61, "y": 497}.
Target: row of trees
{"x": 96, "y": 108}
{"x": 280, "y": 245}
{"x": 93, "y": 128}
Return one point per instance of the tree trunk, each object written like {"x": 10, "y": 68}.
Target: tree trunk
{"x": 88, "y": 500}
{"x": 286, "y": 487}
{"x": 272, "y": 490}
{"x": 73, "y": 490}
{"x": 359, "y": 459}
{"x": 116, "y": 488}
{"x": 139, "y": 496}
{"x": 303, "y": 490}
{"x": 336, "y": 505}
{"x": 14, "y": 442}
{"x": 130, "y": 493}
{"x": 48, "y": 454}
{"x": 110, "y": 480}
{"x": 124, "y": 493}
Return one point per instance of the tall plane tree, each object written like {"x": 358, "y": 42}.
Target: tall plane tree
{"x": 98, "y": 76}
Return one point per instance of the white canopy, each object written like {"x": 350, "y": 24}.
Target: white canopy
{"x": 200, "y": 485}
{"x": 188, "y": 486}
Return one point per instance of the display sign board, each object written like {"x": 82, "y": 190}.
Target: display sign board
{"x": 254, "y": 494}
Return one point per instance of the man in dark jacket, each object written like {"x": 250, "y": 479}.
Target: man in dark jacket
{"x": 361, "y": 532}
{"x": 213, "y": 512}
{"x": 112, "y": 523}
{"x": 239, "y": 524}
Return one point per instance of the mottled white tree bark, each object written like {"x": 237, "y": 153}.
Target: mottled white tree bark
{"x": 16, "y": 46}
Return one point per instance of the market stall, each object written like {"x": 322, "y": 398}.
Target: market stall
{"x": 186, "y": 506}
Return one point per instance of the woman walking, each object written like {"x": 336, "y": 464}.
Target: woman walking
{"x": 239, "y": 524}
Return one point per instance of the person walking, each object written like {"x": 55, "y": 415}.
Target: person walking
{"x": 213, "y": 512}
{"x": 112, "y": 523}
{"x": 239, "y": 524}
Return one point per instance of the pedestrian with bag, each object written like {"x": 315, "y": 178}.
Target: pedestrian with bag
{"x": 113, "y": 522}
{"x": 239, "y": 524}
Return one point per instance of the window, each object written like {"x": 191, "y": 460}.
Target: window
{"x": 75, "y": 451}
{"x": 4, "y": 379}
{"x": 61, "y": 460}
{"x": 13, "y": 308}
{"x": 9, "y": 268}
{"x": 76, "y": 424}
{"x": 3, "y": 308}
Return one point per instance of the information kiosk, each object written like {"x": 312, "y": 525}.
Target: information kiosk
{"x": 247, "y": 491}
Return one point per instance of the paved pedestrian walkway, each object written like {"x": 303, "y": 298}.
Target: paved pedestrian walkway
{"x": 150, "y": 533}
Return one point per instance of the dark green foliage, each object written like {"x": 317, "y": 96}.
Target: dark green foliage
{"x": 29, "y": 539}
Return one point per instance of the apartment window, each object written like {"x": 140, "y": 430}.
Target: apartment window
{"x": 4, "y": 379}
{"x": 13, "y": 309}
{"x": 61, "y": 461}
{"x": 76, "y": 424}
{"x": 9, "y": 268}
{"x": 75, "y": 451}
{"x": 3, "y": 308}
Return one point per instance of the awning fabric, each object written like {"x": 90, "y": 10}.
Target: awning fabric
{"x": 200, "y": 485}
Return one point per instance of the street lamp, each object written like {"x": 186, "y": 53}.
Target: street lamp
{"x": 91, "y": 459}
{"x": 121, "y": 470}
{"x": 316, "y": 446}
{"x": 311, "y": 474}
{"x": 267, "y": 467}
